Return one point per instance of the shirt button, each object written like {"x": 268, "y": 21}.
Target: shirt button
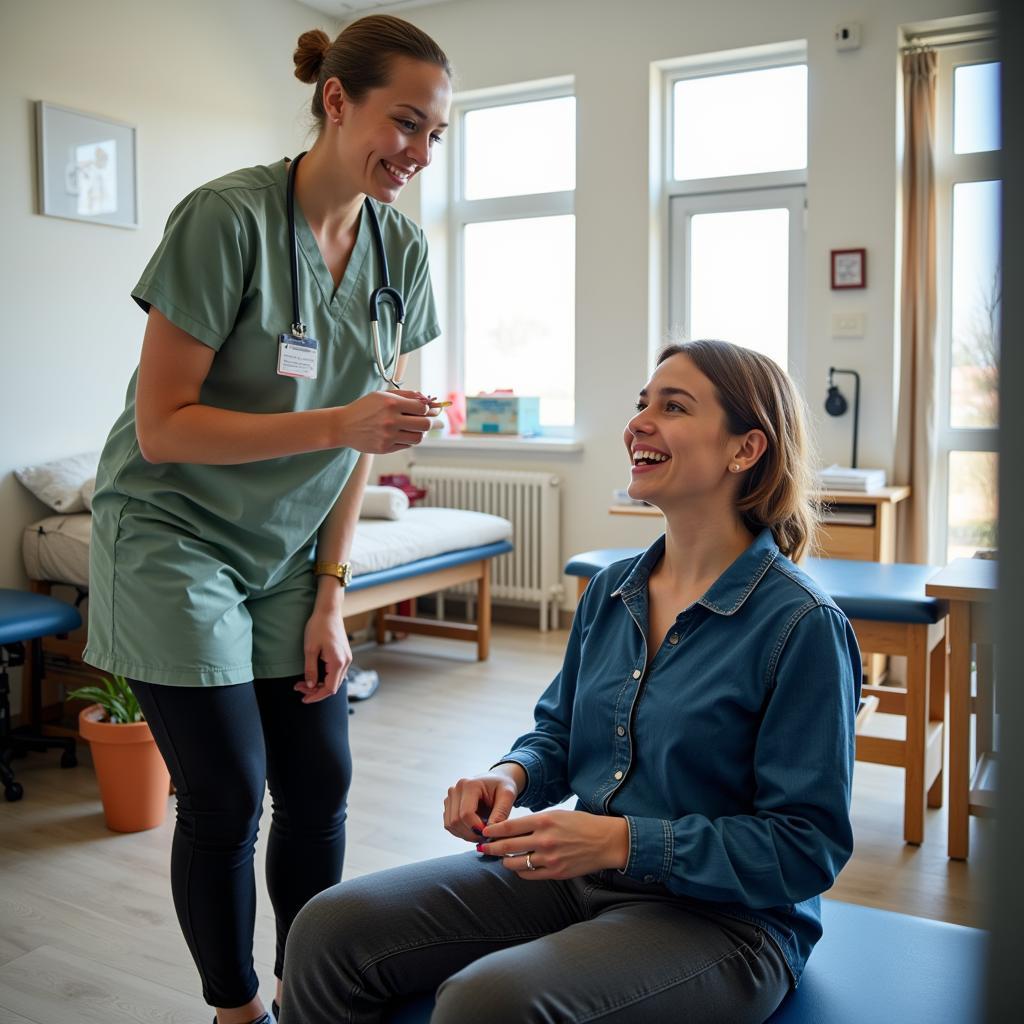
{"x": 674, "y": 639}
{"x": 636, "y": 673}
{"x": 621, "y": 730}
{"x": 648, "y": 878}
{"x": 618, "y": 775}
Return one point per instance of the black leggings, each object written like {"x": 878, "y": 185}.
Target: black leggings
{"x": 221, "y": 745}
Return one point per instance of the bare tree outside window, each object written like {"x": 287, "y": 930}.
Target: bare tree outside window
{"x": 974, "y": 398}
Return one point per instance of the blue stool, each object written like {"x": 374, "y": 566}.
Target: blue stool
{"x": 590, "y": 563}
{"x": 27, "y": 618}
{"x": 870, "y": 965}
{"x": 890, "y": 613}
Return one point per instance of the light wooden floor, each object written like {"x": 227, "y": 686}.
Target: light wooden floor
{"x": 87, "y": 930}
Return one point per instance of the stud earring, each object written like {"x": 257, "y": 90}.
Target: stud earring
{"x": 735, "y": 467}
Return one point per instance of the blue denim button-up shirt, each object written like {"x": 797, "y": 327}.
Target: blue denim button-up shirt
{"x": 730, "y": 756}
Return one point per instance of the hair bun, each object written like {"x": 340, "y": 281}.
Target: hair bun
{"x": 309, "y": 55}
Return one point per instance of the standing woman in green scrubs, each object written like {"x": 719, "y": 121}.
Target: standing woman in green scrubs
{"x": 228, "y": 491}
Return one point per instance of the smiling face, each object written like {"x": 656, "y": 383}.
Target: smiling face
{"x": 387, "y": 137}
{"x": 679, "y": 444}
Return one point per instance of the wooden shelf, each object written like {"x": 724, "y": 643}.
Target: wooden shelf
{"x": 634, "y": 510}
{"x": 883, "y": 496}
{"x": 893, "y": 752}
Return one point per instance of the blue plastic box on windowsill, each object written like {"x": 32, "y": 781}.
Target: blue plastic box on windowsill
{"x": 502, "y": 413}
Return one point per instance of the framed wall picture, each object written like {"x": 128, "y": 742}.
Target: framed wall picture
{"x": 849, "y": 268}
{"x": 86, "y": 167}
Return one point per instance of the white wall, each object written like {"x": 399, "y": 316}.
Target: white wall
{"x": 210, "y": 88}
{"x": 851, "y": 187}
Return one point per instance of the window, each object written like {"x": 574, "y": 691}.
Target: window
{"x": 736, "y": 174}
{"x": 969, "y": 200}
{"x": 513, "y": 237}
{"x": 747, "y": 122}
{"x": 736, "y": 266}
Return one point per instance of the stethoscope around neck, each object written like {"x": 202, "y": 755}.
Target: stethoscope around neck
{"x": 384, "y": 293}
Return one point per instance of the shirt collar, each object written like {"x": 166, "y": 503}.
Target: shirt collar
{"x": 726, "y": 595}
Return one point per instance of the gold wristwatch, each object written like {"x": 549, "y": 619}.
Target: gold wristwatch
{"x": 342, "y": 570}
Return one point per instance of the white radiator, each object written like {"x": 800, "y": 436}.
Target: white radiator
{"x": 531, "y": 502}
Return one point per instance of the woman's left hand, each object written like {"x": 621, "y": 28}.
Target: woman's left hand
{"x": 561, "y": 844}
{"x": 325, "y": 640}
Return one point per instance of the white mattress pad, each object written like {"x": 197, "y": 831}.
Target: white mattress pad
{"x": 57, "y": 548}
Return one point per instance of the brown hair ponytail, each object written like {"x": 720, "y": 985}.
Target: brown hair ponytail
{"x": 309, "y": 55}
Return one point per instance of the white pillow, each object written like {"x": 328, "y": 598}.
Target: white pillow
{"x": 383, "y": 503}
{"x": 59, "y": 483}
{"x": 88, "y": 490}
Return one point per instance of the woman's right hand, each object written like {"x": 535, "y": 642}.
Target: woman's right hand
{"x": 489, "y": 796}
{"x": 386, "y": 421}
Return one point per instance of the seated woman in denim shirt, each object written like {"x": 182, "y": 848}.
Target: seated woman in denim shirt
{"x": 704, "y": 721}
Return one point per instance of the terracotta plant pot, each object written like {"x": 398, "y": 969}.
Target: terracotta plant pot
{"x": 134, "y": 781}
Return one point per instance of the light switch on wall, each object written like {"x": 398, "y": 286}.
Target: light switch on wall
{"x": 849, "y": 325}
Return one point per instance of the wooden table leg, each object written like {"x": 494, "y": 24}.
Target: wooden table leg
{"x": 382, "y": 629}
{"x": 483, "y": 612}
{"x": 937, "y": 686}
{"x": 959, "y": 727}
{"x": 916, "y": 726}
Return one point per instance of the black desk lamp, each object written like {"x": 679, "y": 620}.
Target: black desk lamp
{"x": 836, "y": 404}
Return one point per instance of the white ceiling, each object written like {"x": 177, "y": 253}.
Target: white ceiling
{"x": 343, "y": 10}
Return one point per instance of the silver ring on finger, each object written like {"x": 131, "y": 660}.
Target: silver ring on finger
{"x": 530, "y": 866}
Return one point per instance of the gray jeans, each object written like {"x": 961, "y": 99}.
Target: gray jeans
{"x": 502, "y": 950}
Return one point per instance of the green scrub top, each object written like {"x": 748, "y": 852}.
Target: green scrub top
{"x": 176, "y": 539}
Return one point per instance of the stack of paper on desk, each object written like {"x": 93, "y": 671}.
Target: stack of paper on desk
{"x": 843, "y": 478}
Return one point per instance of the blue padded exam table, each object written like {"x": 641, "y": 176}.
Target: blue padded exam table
{"x": 870, "y": 967}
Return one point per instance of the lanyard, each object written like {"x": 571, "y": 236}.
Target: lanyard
{"x": 384, "y": 293}
{"x": 298, "y": 327}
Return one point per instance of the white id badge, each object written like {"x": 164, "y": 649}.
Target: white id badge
{"x": 296, "y": 357}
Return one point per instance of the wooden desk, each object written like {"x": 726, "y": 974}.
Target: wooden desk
{"x": 969, "y": 585}
{"x": 874, "y": 539}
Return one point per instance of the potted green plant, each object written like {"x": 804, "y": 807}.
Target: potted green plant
{"x": 134, "y": 782}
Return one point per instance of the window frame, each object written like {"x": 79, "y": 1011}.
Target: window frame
{"x": 710, "y": 66}
{"x": 461, "y": 212}
{"x": 953, "y": 169}
{"x": 740, "y": 191}
{"x": 682, "y": 208}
